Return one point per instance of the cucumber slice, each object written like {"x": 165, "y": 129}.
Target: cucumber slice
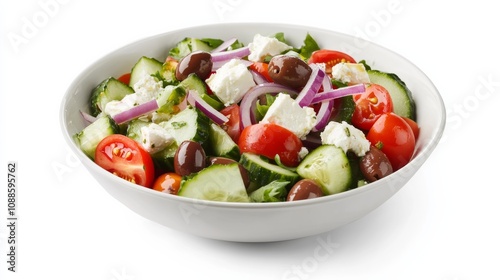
{"x": 262, "y": 172}
{"x": 90, "y": 136}
{"x": 189, "y": 124}
{"x": 401, "y": 96}
{"x": 329, "y": 166}
{"x": 134, "y": 129}
{"x": 193, "y": 82}
{"x": 222, "y": 144}
{"x": 170, "y": 98}
{"x": 108, "y": 90}
{"x": 218, "y": 182}
{"x": 145, "y": 66}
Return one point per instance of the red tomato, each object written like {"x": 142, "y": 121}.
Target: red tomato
{"x": 414, "y": 126}
{"x": 395, "y": 137}
{"x": 126, "y": 159}
{"x": 269, "y": 140}
{"x": 370, "y": 105}
{"x": 168, "y": 182}
{"x": 232, "y": 127}
{"x": 330, "y": 58}
{"x": 261, "y": 68}
{"x": 125, "y": 78}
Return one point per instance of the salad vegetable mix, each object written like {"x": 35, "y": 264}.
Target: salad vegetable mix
{"x": 263, "y": 122}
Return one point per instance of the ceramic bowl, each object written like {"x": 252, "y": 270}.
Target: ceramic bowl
{"x": 256, "y": 222}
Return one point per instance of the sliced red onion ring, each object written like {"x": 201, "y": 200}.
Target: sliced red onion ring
{"x": 337, "y": 93}
{"x": 312, "y": 87}
{"x": 88, "y": 117}
{"x": 195, "y": 100}
{"x": 323, "y": 116}
{"x": 226, "y": 44}
{"x": 258, "y": 78}
{"x": 227, "y": 55}
{"x": 135, "y": 112}
{"x": 248, "y": 103}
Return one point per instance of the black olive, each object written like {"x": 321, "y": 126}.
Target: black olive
{"x": 198, "y": 62}
{"x": 289, "y": 71}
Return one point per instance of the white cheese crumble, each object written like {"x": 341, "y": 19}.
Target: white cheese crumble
{"x": 350, "y": 73}
{"x": 346, "y": 137}
{"x": 146, "y": 89}
{"x": 155, "y": 138}
{"x": 286, "y": 112}
{"x": 262, "y": 46}
{"x": 230, "y": 82}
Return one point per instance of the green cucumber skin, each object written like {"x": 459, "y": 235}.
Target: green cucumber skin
{"x": 193, "y": 82}
{"x": 402, "y": 97}
{"x": 261, "y": 174}
{"x": 329, "y": 166}
{"x": 108, "y": 90}
{"x": 221, "y": 144}
{"x": 90, "y": 136}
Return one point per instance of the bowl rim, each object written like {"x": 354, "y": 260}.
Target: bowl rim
{"x": 414, "y": 164}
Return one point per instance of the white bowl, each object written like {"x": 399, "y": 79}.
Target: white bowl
{"x": 256, "y": 222}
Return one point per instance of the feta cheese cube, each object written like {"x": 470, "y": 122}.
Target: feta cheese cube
{"x": 286, "y": 112}
{"x": 230, "y": 82}
{"x": 350, "y": 73}
{"x": 155, "y": 138}
{"x": 262, "y": 46}
{"x": 114, "y": 107}
{"x": 147, "y": 89}
{"x": 346, "y": 137}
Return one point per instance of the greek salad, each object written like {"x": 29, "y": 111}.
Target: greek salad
{"x": 262, "y": 122}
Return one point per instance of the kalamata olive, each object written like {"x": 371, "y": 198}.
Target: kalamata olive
{"x": 198, "y": 62}
{"x": 304, "y": 189}
{"x": 375, "y": 165}
{"x": 222, "y": 160}
{"x": 189, "y": 158}
{"x": 289, "y": 71}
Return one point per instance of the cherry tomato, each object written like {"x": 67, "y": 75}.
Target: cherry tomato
{"x": 370, "y": 105}
{"x": 232, "y": 127}
{"x": 169, "y": 182}
{"x": 269, "y": 140}
{"x": 395, "y": 137}
{"x": 261, "y": 68}
{"x": 330, "y": 58}
{"x": 126, "y": 159}
{"x": 414, "y": 126}
{"x": 125, "y": 78}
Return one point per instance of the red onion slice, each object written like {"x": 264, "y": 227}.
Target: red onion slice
{"x": 88, "y": 117}
{"x": 337, "y": 93}
{"x": 312, "y": 87}
{"x": 248, "y": 103}
{"x": 135, "y": 112}
{"x": 227, "y": 55}
{"x": 226, "y": 44}
{"x": 195, "y": 100}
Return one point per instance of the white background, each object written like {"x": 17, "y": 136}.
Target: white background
{"x": 443, "y": 225}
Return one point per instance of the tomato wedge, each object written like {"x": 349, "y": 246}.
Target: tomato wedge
{"x": 125, "y": 78}
{"x": 394, "y": 136}
{"x": 269, "y": 140}
{"x": 330, "y": 58}
{"x": 232, "y": 127}
{"x": 370, "y": 105}
{"x": 262, "y": 69}
{"x": 126, "y": 159}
